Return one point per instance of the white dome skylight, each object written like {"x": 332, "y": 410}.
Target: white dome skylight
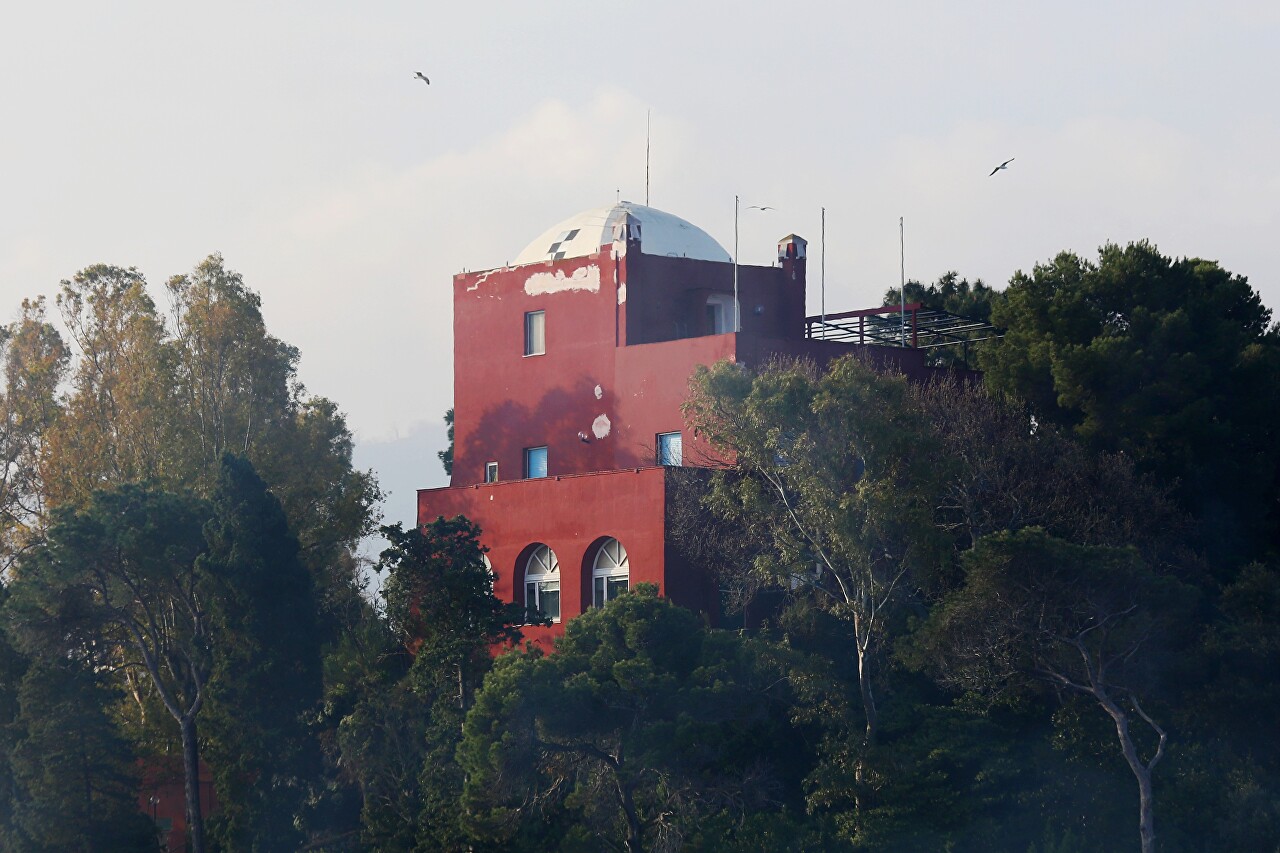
{"x": 659, "y": 233}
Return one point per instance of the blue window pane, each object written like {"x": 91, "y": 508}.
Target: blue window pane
{"x": 670, "y": 448}
{"x": 535, "y": 462}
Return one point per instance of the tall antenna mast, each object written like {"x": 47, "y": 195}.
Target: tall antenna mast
{"x": 648, "y": 114}
{"x": 823, "y": 277}
{"x": 902, "y": 291}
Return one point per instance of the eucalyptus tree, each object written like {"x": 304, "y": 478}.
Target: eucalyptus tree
{"x": 839, "y": 472}
{"x": 1089, "y": 620}
{"x": 34, "y": 360}
{"x": 145, "y": 398}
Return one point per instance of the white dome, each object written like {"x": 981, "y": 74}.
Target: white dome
{"x": 659, "y": 233}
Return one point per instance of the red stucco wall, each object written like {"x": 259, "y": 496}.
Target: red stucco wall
{"x": 623, "y": 335}
{"x": 570, "y": 515}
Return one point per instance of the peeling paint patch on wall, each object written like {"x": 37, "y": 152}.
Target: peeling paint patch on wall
{"x": 622, "y": 293}
{"x": 600, "y": 426}
{"x": 583, "y": 278}
{"x": 599, "y": 392}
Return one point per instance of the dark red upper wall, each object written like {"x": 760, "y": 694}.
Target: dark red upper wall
{"x": 623, "y": 334}
{"x": 667, "y": 298}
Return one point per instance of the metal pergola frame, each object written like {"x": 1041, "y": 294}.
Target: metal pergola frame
{"x": 927, "y": 328}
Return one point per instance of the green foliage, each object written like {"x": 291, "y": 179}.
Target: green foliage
{"x": 34, "y": 360}
{"x": 1034, "y": 608}
{"x": 398, "y": 740}
{"x": 954, "y": 295}
{"x": 1004, "y": 471}
{"x": 74, "y": 774}
{"x": 446, "y": 455}
{"x": 1094, "y": 621}
{"x": 641, "y": 724}
{"x": 162, "y": 402}
{"x": 117, "y": 586}
{"x": 949, "y": 293}
{"x": 838, "y": 472}
{"x": 439, "y": 592}
{"x": 12, "y": 667}
{"x": 1171, "y": 362}
{"x": 266, "y": 679}
{"x": 94, "y": 588}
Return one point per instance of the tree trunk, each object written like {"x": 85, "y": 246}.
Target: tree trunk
{"x": 869, "y": 734}
{"x": 634, "y": 842}
{"x": 1146, "y": 801}
{"x": 868, "y": 698}
{"x": 191, "y": 772}
{"x": 1146, "y": 811}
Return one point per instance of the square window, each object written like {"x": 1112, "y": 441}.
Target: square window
{"x": 535, "y": 462}
{"x": 491, "y": 472}
{"x": 535, "y": 333}
{"x": 606, "y": 588}
{"x": 670, "y": 449}
{"x": 543, "y": 598}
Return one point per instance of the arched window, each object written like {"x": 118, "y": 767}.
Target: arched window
{"x": 611, "y": 572}
{"x": 542, "y": 583}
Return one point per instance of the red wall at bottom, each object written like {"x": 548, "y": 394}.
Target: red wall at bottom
{"x": 163, "y": 798}
{"x": 571, "y": 514}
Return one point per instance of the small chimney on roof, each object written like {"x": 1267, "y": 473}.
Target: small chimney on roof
{"x": 792, "y": 247}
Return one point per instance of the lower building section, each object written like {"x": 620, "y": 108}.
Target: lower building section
{"x": 560, "y": 545}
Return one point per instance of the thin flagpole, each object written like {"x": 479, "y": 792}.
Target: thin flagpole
{"x": 647, "y": 116}
{"x": 823, "y": 277}
{"x": 737, "y": 320}
{"x": 902, "y": 292}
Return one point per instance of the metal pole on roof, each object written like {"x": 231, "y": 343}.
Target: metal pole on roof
{"x": 824, "y": 272}
{"x": 902, "y": 258}
{"x": 647, "y": 115}
{"x": 737, "y": 321}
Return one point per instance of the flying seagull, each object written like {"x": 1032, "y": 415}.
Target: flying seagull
{"x": 422, "y": 77}
{"x": 761, "y": 207}
{"x": 1003, "y": 165}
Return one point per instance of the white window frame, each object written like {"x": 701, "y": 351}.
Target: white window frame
{"x": 723, "y": 315}
{"x": 535, "y": 333}
{"x": 491, "y": 472}
{"x": 541, "y": 579}
{"x": 665, "y": 455}
{"x": 610, "y": 566}
{"x": 529, "y": 455}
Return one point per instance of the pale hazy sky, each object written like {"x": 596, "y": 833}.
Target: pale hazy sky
{"x": 293, "y": 139}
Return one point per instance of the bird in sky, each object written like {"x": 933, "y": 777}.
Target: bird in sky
{"x": 422, "y": 77}
{"x": 761, "y": 207}
{"x": 1003, "y": 165}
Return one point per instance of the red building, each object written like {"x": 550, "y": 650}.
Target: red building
{"x": 570, "y": 367}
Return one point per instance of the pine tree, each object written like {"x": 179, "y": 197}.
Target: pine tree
{"x": 266, "y": 677}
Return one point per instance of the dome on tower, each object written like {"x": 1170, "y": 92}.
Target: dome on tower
{"x": 658, "y": 233}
